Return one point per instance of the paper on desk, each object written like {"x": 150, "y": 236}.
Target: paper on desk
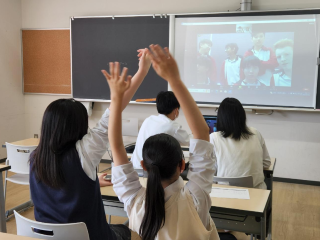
{"x": 230, "y": 193}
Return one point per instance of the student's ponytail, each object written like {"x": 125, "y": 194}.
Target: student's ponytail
{"x": 154, "y": 217}
{"x": 162, "y": 155}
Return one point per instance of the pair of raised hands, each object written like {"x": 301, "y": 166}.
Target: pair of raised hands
{"x": 162, "y": 62}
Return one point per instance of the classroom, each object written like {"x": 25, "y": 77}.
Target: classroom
{"x": 51, "y": 50}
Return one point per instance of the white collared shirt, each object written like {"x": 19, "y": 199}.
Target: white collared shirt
{"x": 126, "y": 182}
{"x": 282, "y": 80}
{"x": 241, "y": 158}
{"x": 154, "y": 125}
{"x": 93, "y": 146}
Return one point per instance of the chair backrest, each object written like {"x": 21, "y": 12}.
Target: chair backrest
{"x": 18, "y": 157}
{"x": 236, "y": 181}
{"x": 70, "y": 231}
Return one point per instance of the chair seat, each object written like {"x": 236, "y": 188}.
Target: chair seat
{"x": 19, "y": 179}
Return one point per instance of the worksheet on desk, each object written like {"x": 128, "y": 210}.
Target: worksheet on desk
{"x": 236, "y": 193}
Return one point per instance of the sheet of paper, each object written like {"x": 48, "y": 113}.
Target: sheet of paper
{"x": 230, "y": 193}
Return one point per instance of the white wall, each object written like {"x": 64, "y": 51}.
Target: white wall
{"x": 11, "y": 98}
{"x": 292, "y": 137}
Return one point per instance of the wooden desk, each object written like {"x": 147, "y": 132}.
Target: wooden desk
{"x": 6, "y": 236}
{"x": 26, "y": 142}
{"x": 241, "y": 215}
{"x": 3, "y": 226}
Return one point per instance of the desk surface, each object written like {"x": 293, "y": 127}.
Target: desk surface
{"x": 6, "y": 236}
{"x": 257, "y": 202}
{"x": 27, "y": 142}
{"x": 4, "y": 168}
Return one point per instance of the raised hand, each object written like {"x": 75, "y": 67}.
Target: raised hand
{"x": 163, "y": 63}
{"x": 144, "y": 61}
{"x": 118, "y": 83}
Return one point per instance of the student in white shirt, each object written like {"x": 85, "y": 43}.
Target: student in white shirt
{"x": 284, "y": 53}
{"x": 63, "y": 180}
{"x": 167, "y": 208}
{"x": 240, "y": 150}
{"x": 168, "y": 109}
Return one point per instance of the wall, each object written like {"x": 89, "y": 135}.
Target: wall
{"x": 11, "y": 98}
{"x": 292, "y": 137}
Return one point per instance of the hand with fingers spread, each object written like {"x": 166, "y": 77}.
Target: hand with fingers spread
{"x": 118, "y": 83}
{"x": 144, "y": 61}
{"x": 163, "y": 63}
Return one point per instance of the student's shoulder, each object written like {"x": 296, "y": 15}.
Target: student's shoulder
{"x": 255, "y": 132}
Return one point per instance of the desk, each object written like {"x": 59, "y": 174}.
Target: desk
{"x": 6, "y": 236}
{"x": 240, "y": 215}
{"x": 3, "y": 227}
{"x": 26, "y": 142}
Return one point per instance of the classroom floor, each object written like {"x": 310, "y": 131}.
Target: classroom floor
{"x": 296, "y": 211}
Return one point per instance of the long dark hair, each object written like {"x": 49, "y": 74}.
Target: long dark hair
{"x": 64, "y": 122}
{"x": 231, "y": 120}
{"x": 161, "y": 156}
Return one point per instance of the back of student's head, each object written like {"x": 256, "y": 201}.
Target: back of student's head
{"x": 231, "y": 120}
{"x": 162, "y": 155}
{"x": 166, "y": 102}
{"x": 65, "y": 121}
{"x": 251, "y": 61}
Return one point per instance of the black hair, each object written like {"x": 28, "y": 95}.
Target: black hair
{"x": 250, "y": 61}
{"x": 162, "y": 155}
{"x": 257, "y": 32}
{"x": 166, "y": 102}
{"x": 231, "y": 121}
{"x": 205, "y": 41}
{"x": 233, "y": 46}
{"x": 65, "y": 121}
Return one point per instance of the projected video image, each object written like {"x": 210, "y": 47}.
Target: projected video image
{"x": 212, "y": 124}
{"x": 257, "y": 59}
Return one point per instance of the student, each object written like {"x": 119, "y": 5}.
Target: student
{"x": 167, "y": 208}
{"x": 230, "y": 70}
{"x": 240, "y": 150}
{"x": 204, "y": 70}
{"x": 63, "y": 180}
{"x": 251, "y": 68}
{"x": 168, "y": 109}
{"x": 266, "y": 56}
{"x": 205, "y": 46}
{"x": 284, "y": 54}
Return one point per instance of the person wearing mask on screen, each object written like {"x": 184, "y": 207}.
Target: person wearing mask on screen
{"x": 266, "y": 56}
{"x": 230, "y": 70}
{"x": 240, "y": 150}
{"x": 284, "y": 53}
{"x": 205, "y": 46}
{"x": 251, "y": 67}
{"x": 168, "y": 108}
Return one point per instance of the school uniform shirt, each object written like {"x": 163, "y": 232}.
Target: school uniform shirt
{"x": 241, "y": 158}
{"x": 282, "y": 80}
{"x": 187, "y": 205}
{"x": 154, "y": 125}
{"x": 213, "y": 75}
{"x": 79, "y": 200}
{"x": 230, "y": 71}
{"x": 255, "y": 84}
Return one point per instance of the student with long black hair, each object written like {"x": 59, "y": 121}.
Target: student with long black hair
{"x": 240, "y": 150}
{"x": 167, "y": 208}
{"x": 63, "y": 180}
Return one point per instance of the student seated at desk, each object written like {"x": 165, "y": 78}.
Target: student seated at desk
{"x": 240, "y": 150}
{"x": 63, "y": 180}
{"x": 166, "y": 208}
{"x": 168, "y": 109}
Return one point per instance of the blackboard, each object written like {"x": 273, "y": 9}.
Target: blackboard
{"x": 97, "y": 41}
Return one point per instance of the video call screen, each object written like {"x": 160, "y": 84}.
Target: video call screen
{"x": 260, "y": 60}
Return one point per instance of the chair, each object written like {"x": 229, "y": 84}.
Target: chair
{"x": 70, "y": 231}
{"x": 236, "y": 181}
{"x": 18, "y": 159}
